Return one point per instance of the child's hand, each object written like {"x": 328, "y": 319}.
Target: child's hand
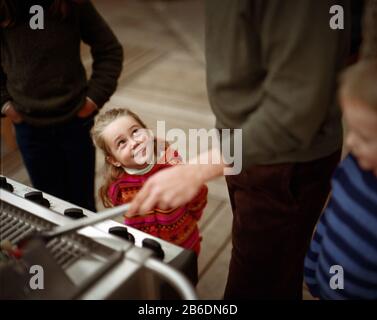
{"x": 87, "y": 109}
{"x": 169, "y": 188}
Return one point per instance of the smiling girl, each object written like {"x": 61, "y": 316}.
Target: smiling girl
{"x": 130, "y": 159}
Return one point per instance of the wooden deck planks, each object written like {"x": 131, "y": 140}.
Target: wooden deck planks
{"x": 164, "y": 79}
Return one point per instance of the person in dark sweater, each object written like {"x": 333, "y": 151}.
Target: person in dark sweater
{"x": 45, "y": 91}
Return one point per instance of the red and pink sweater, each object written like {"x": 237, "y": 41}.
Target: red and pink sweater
{"x": 176, "y": 225}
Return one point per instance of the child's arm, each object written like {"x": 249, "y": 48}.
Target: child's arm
{"x": 107, "y": 54}
{"x": 311, "y": 258}
{"x": 122, "y": 191}
{"x": 197, "y": 205}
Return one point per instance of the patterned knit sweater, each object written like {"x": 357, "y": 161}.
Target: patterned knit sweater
{"x": 176, "y": 225}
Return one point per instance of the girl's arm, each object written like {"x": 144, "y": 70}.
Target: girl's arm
{"x": 107, "y": 54}
{"x": 197, "y": 205}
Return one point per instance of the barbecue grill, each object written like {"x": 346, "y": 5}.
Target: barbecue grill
{"x": 105, "y": 260}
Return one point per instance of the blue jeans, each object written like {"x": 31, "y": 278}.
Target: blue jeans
{"x": 60, "y": 159}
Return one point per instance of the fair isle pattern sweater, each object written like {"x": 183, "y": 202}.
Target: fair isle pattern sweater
{"x": 346, "y": 236}
{"x": 176, "y": 225}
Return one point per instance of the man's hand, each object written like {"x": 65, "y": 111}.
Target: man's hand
{"x": 169, "y": 188}
{"x": 87, "y": 109}
{"x": 176, "y": 186}
{"x": 12, "y": 114}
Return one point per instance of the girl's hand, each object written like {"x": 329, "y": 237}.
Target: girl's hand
{"x": 169, "y": 188}
{"x": 87, "y": 109}
{"x": 12, "y": 114}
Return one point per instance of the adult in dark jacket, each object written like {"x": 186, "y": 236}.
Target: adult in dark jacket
{"x": 45, "y": 91}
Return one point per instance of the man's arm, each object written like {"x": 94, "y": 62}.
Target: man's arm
{"x": 177, "y": 185}
{"x": 301, "y": 55}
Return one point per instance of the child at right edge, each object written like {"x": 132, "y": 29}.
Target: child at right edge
{"x": 342, "y": 260}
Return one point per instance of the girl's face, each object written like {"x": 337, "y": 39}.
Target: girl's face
{"x": 127, "y": 142}
{"x": 362, "y": 133}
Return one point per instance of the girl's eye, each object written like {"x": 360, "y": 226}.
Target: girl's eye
{"x": 122, "y": 142}
{"x": 137, "y": 133}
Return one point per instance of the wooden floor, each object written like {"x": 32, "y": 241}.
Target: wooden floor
{"x": 164, "y": 79}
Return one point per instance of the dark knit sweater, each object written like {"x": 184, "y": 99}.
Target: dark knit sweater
{"x": 41, "y": 70}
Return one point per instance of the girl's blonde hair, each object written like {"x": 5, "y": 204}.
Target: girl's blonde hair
{"x": 112, "y": 173}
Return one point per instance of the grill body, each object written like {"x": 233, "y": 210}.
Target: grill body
{"x": 94, "y": 263}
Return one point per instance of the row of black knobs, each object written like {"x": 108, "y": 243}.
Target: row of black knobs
{"x": 35, "y": 196}
{"x": 151, "y": 244}
{"x": 5, "y": 185}
{"x": 77, "y": 213}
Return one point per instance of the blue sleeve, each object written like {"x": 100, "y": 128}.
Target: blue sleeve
{"x": 311, "y": 259}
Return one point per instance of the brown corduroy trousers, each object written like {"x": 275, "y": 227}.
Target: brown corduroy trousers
{"x": 275, "y": 209}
